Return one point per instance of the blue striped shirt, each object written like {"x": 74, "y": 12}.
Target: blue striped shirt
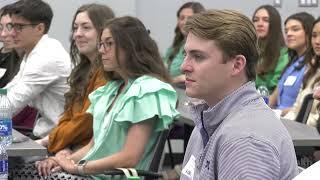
{"x": 243, "y": 139}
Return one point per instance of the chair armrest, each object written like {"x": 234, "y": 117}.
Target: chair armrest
{"x": 22, "y": 128}
{"x": 143, "y": 173}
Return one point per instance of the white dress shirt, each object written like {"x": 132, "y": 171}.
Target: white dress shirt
{"x": 41, "y": 83}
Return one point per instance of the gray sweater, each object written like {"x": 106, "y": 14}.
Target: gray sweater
{"x": 239, "y": 138}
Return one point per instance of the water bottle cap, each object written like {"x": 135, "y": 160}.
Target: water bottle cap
{"x": 263, "y": 90}
{"x": 3, "y": 91}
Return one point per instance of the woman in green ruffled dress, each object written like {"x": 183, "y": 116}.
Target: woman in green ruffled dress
{"x": 130, "y": 111}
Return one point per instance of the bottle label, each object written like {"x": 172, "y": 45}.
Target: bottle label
{"x": 3, "y": 166}
{"x": 266, "y": 100}
{"x": 5, "y": 127}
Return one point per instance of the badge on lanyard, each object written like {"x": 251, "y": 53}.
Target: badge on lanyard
{"x": 290, "y": 81}
{"x": 188, "y": 169}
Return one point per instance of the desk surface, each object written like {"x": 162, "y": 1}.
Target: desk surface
{"x": 26, "y": 148}
{"x": 301, "y": 134}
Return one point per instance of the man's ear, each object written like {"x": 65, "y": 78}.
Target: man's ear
{"x": 239, "y": 64}
{"x": 40, "y": 28}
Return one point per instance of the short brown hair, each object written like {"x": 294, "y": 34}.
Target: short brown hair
{"x": 232, "y": 32}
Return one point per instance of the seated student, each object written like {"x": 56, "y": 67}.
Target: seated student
{"x": 75, "y": 126}
{"x": 42, "y": 79}
{"x": 298, "y": 29}
{"x": 236, "y": 135}
{"x": 274, "y": 56}
{"x": 316, "y": 93}
{"x": 10, "y": 63}
{"x": 129, "y": 111}
{"x": 311, "y": 78}
{"x": 316, "y": 44}
{"x": 9, "y": 58}
{"x": 174, "y": 55}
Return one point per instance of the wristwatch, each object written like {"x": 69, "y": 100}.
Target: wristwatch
{"x": 80, "y": 166}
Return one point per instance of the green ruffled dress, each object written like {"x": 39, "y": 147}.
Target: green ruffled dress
{"x": 142, "y": 99}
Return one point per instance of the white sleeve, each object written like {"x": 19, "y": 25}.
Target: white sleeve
{"x": 38, "y": 73}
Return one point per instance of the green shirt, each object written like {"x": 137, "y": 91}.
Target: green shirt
{"x": 270, "y": 79}
{"x": 142, "y": 99}
{"x": 174, "y": 68}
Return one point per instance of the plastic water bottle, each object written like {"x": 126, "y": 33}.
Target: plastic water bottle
{"x": 5, "y": 118}
{"x": 3, "y": 162}
{"x": 263, "y": 90}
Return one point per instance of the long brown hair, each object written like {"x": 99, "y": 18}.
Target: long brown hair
{"x": 141, "y": 53}
{"x": 80, "y": 75}
{"x": 179, "y": 37}
{"x": 313, "y": 64}
{"x": 271, "y": 44}
{"x": 306, "y": 21}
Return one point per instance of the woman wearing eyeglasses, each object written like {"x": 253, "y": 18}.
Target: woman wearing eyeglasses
{"x": 130, "y": 111}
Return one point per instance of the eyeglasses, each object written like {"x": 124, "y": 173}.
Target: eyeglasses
{"x": 8, "y": 26}
{"x": 20, "y": 26}
{"x": 106, "y": 45}
{"x": 16, "y": 26}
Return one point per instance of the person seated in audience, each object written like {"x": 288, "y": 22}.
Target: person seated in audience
{"x": 42, "y": 79}
{"x": 75, "y": 126}
{"x": 298, "y": 29}
{"x": 274, "y": 56}
{"x": 316, "y": 49}
{"x": 130, "y": 111}
{"x": 174, "y": 55}
{"x": 236, "y": 135}
{"x": 9, "y": 57}
{"x": 173, "y": 58}
{"x": 314, "y": 69}
{"x": 316, "y": 93}
{"x": 10, "y": 62}
{"x": 311, "y": 78}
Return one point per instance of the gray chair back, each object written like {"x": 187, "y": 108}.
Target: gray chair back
{"x": 305, "y": 109}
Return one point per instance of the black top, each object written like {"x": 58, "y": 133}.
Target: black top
{"x": 11, "y": 62}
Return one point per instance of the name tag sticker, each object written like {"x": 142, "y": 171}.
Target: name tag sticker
{"x": 188, "y": 169}
{"x": 290, "y": 80}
